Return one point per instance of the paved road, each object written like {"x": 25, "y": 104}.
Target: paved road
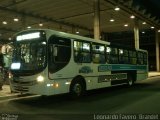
{"x": 141, "y": 101}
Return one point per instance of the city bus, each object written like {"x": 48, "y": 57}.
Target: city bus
{"x": 49, "y": 62}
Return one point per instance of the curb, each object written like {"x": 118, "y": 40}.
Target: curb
{"x": 8, "y": 96}
{"x": 154, "y": 76}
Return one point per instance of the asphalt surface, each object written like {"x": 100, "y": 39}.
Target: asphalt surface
{"x": 141, "y": 101}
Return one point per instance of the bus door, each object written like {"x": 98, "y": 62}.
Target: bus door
{"x": 59, "y": 54}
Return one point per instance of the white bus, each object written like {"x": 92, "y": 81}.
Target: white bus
{"x": 48, "y": 62}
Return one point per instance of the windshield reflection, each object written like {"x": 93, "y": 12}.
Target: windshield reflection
{"x": 31, "y": 55}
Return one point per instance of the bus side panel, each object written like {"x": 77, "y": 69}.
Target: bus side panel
{"x": 142, "y": 75}
{"x": 93, "y": 79}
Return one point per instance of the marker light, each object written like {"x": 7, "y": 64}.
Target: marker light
{"x": 125, "y": 25}
{"x": 56, "y": 85}
{"x": 4, "y": 22}
{"x": 28, "y": 36}
{"x": 15, "y": 66}
{"x": 67, "y": 83}
{"x": 40, "y": 78}
{"x": 132, "y": 16}
{"x": 111, "y": 20}
{"x": 77, "y": 32}
{"x": 16, "y": 19}
{"x": 40, "y": 24}
{"x": 29, "y": 27}
{"x": 144, "y": 23}
{"x": 116, "y": 8}
{"x": 49, "y": 85}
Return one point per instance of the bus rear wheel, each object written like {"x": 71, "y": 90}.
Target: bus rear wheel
{"x": 77, "y": 89}
{"x": 130, "y": 80}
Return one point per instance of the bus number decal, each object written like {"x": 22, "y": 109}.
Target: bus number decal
{"x": 104, "y": 68}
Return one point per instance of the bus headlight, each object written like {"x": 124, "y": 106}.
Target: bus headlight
{"x": 40, "y": 78}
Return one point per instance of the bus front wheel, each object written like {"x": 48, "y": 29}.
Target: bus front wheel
{"x": 77, "y": 88}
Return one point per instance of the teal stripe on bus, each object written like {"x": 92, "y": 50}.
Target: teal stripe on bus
{"x": 104, "y": 68}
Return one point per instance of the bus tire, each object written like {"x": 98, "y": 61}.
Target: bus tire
{"x": 77, "y": 88}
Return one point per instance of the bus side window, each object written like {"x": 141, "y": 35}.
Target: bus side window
{"x": 111, "y": 55}
{"x": 121, "y": 59}
{"x": 98, "y": 53}
{"x": 78, "y": 56}
{"x": 126, "y": 59}
{"x": 108, "y": 52}
{"x": 140, "y": 58}
{"x": 62, "y": 54}
{"x": 123, "y": 56}
{"x": 145, "y": 59}
{"x": 132, "y": 57}
{"x": 86, "y": 52}
{"x": 77, "y": 51}
{"x": 82, "y": 52}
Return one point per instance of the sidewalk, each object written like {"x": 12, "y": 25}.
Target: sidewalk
{"x": 6, "y": 93}
{"x": 153, "y": 74}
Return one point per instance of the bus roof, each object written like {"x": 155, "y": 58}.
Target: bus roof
{"x": 64, "y": 34}
{"x": 73, "y": 36}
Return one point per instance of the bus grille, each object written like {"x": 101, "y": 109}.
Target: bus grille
{"x": 22, "y": 86}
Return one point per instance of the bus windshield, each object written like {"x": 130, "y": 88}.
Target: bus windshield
{"x": 29, "y": 56}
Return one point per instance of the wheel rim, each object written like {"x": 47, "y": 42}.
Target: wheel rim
{"x": 77, "y": 89}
